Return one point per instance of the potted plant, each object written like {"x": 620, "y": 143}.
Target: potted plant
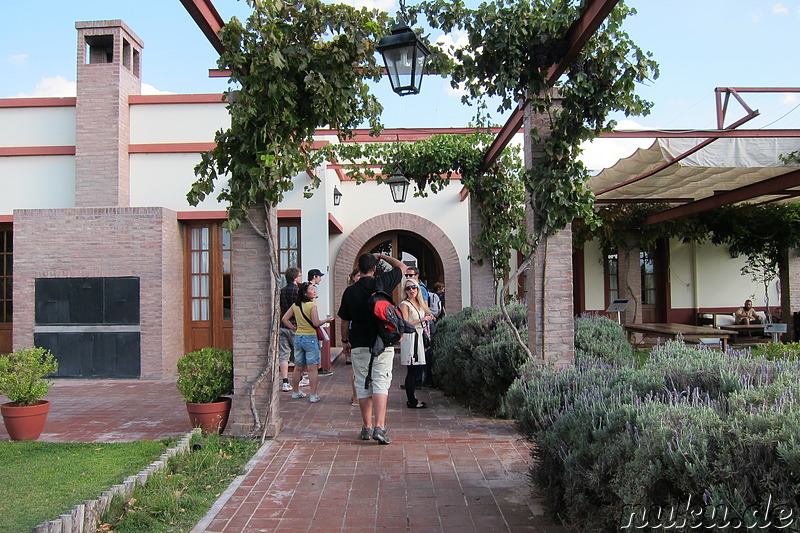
{"x": 21, "y": 380}
{"x": 204, "y": 378}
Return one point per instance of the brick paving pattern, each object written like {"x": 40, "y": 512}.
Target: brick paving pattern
{"x": 446, "y": 470}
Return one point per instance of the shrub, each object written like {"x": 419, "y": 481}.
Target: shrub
{"x": 719, "y": 428}
{"x": 598, "y": 336}
{"x": 21, "y": 375}
{"x": 477, "y": 357}
{"x": 205, "y": 375}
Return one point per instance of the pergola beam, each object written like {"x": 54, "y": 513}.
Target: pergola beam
{"x": 776, "y": 185}
{"x": 207, "y": 19}
{"x": 578, "y": 34}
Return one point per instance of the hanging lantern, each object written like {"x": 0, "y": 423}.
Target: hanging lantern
{"x": 405, "y": 56}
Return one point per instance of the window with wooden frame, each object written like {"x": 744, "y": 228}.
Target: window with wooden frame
{"x": 611, "y": 275}
{"x": 288, "y": 243}
{"x": 6, "y": 271}
{"x": 649, "y": 282}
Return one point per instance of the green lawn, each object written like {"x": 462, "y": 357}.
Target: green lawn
{"x": 41, "y": 480}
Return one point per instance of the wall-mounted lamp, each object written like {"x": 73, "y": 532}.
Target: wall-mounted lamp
{"x": 398, "y": 184}
{"x": 337, "y": 196}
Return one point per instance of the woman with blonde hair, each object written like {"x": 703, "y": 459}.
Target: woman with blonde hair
{"x": 412, "y": 348}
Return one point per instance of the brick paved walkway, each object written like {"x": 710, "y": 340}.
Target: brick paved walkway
{"x": 446, "y": 469}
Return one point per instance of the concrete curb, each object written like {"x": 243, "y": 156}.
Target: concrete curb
{"x": 204, "y": 522}
{"x": 84, "y": 517}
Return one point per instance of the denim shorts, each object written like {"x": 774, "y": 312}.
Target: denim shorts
{"x": 306, "y": 350}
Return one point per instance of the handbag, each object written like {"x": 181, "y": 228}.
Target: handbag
{"x": 321, "y": 333}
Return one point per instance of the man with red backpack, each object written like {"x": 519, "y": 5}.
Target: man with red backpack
{"x": 359, "y": 330}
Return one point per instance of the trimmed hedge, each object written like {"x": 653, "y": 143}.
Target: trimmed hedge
{"x": 477, "y": 357}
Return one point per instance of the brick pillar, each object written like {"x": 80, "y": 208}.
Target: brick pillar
{"x": 481, "y": 277}
{"x": 549, "y": 284}
{"x": 790, "y": 292}
{"x": 109, "y": 69}
{"x": 630, "y": 281}
{"x": 255, "y": 316}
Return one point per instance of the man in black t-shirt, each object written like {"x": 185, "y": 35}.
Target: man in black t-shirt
{"x": 358, "y": 333}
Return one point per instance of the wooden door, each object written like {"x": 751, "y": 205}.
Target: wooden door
{"x": 208, "y": 297}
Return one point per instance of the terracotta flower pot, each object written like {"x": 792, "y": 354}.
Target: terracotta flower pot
{"x": 210, "y": 417}
{"x": 25, "y": 423}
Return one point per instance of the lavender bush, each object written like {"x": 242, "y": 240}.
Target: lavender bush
{"x": 690, "y": 425}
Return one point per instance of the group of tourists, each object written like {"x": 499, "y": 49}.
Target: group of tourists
{"x": 372, "y": 372}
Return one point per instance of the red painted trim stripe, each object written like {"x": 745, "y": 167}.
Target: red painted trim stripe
{"x": 202, "y": 215}
{"x": 12, "y": 151}
{"x": 68, "y": 101}
{"x": 170, "y": 148}
{"x": 6, "y": 218}
{"x": 137, "y": 99}
{"x": 290, "y": 213}
{"x": 334, "y": 226}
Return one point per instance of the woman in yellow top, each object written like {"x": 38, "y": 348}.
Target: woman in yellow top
{"x": 306, "y": 345}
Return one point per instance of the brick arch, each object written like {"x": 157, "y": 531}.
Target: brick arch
{"x": 419, "y": 226}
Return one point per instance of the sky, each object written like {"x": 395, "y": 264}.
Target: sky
{"x": 699, "y": 45}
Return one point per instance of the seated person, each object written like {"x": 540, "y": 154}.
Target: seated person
{"x": 747, "y": 315}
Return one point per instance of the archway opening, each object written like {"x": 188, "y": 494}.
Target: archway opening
{"x": 412, "y": 250}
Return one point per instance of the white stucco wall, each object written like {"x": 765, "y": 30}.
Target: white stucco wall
{"x": 36, "y": 182}
{"x": 176, "y": 123}
{"x": 721, "y": 284}
{"x": 593, "y": 276}
{"x": 164, "y": 179}
{"x": 37, "y": 126}
{"x": 700, "y": 275}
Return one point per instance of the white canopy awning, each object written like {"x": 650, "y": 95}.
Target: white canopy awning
{"x": 728, "y": 170}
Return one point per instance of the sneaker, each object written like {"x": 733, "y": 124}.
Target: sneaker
{"x": 304, "y": 382}
{"x": 322, "y": 372}
{"x": 365, "y": 433}
{"x": 313, "y": 398}
{"x": 298, "y": 394}
{"x": 286, "y": 388}
{"x": 380, "y": 435}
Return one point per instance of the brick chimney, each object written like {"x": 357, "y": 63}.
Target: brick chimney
{"x": 109, "y": 69}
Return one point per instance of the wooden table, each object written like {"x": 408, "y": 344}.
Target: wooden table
{"x": 672, "y": 331}
{"x": 748, "y": 329}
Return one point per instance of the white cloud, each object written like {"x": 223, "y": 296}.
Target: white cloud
{"x": 757, "y": 17}
{"x": 780, "y": 9}
{"x": 55, "y": 86}
{"x": 149, "y": 89}
{"x": 18, "y": 59}
{"x": 789, "y": 99}
{"x": 603, "y": 153}
{"x": 449, "y": 42}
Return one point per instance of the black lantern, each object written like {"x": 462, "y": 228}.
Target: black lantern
{"x": 398, "y": 184}
{"x": 337, "y": 196}
{"x": 405, "y": 58}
